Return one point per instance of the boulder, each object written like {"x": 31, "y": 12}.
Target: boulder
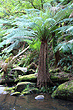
{"x": 64, "y": 91}
{"x": 22, "y": 85}
{"x": 18, "y": 71}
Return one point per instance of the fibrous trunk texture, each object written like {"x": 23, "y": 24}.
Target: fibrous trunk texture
{"x": 43, "y": 74}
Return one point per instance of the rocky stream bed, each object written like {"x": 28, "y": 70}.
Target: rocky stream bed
{"x": 25, "y": 84}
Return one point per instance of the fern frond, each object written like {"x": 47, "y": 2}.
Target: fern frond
{"x": 65, "y": 46}
{"x": 63, "y": 13}
{"x": 11, "y": 47}
{"x": 69, "y": 20}
{"x": 62, "y": 29}
{"x": 70, "y": 30}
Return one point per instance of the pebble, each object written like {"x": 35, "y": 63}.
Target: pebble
{"x": 39, "y": 97}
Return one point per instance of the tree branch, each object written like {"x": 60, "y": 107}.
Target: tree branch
{"x": 9, "y": 64}
{"x": 19, "y": 54}
{"x": 32, "y": 4}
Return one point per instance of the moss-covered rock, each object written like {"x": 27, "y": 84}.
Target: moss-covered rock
{"x": 13, "y": 74}
{"x": 22, "y": 85}
{"x": 30, "y": 77}
{"x": 64, "y": 91}
{"x": 60, "y": 76}
{"x": 12, "y": 91}
{"x": 9, "y": 88}
{"x": 54, "y": 70}
{"x": 15, "y": 94}
{"x": 30, "y": 91}
{"x": 3, "y": 81}
{"x": 19, "y": 71}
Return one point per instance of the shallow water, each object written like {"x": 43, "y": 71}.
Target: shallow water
{"x": 2, "y": 90}
{"x": 28, "y": 102}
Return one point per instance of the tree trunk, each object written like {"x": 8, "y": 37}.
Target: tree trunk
{"x": 43, "y": 74}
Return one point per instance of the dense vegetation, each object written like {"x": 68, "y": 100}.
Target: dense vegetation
{"x": 31, "y": 28}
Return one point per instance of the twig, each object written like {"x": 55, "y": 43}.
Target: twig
{"x": 1, "y": 70}
{"x": 9, "y": 64}
{"x": 19, "y": 54}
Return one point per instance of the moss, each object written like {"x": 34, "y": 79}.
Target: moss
{"x": 64, "y": 90}
{"x": 54, "y": 94}
{"x": 25, "y": 83}
{"x": 66, "y": 86}
{"x": 61, "y": 87}
{"x": 65, "y": 68}
{"x": 54, "y": 70}
{"x": 9, "y": 89}
{"x": 58, "y": 77}
{"x": 29, "y": 91}
{"x": 25, "y": 93}
{"x": 35, "y": 90}
{"x": 15, "y": 94}
{"x": 54, "y": 77}
{"x": 12, "y": 91}
{"x": 30, "y": 77}
{"x": 2, "y": 74}
{"x": 22, "y": 85}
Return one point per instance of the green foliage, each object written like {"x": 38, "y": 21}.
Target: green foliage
{"x": 64, "y": 2}
{"x": 34, "y": 24}
{"x": 51, "y": 89}
{"x": 13, "y": 8}
{"x": 63, "y": 13}
{"x": 43, "y": 89}
{"x": 23, "y": 21}
{"x": 66, "y": 61}
{"x": 65, "y": 47}
{"x": 66, "y": 69}
{"x": 15, "y": 35}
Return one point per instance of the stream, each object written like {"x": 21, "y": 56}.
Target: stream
{"x": 28, "y": 102}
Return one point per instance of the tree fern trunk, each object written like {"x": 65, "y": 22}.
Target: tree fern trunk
{"x": 42, "y": 79}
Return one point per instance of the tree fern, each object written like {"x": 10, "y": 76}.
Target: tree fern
{"x": 22, "y": 26}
